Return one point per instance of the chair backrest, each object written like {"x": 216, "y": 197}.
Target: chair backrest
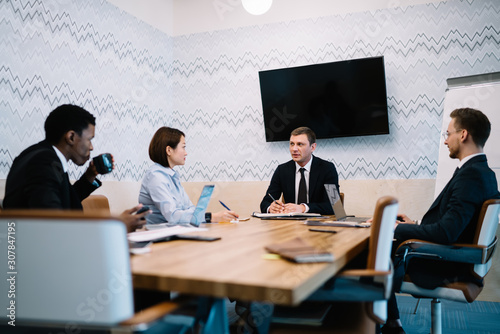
{"x": 65, "y": 267}
{"x": 485, "y": 231}
{"x": 96, "y": 202}
{"x": 384, "y": 219}
{"x": 379, "y": 250}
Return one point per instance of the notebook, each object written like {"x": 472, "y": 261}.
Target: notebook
{"x": 291, "y": 215}
{"x": 338, "y": 207}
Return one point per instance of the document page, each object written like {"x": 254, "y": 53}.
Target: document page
{"x": 161, "y": 233}
{"x": 291, "y": 214}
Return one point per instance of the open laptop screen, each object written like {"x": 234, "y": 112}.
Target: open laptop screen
{"x": 201, "y": 207}
{"x": 334, "y": 197}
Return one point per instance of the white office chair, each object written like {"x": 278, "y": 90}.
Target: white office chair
{"x": 371, "y": 284}
{"x": 478, "y": 255}
{"x": 69, "y": 270}
{"x": 374, "y": 282}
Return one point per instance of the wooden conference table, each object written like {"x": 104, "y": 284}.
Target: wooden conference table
{"x": 238, "y": 266}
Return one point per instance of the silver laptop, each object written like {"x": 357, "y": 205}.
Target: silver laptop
{"x": 338, "y": 207}
{"x": 201, "y": 206}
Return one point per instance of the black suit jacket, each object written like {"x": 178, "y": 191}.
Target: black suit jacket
{"x": 36, "y": 180}
{"x": 452, "y": 218}
{"x": 453, "y": 215}
{"x": 283, "y": 182}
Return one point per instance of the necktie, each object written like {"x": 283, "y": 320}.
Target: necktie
{"x": 302, "y": 197}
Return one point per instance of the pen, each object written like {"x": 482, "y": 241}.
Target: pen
{"x": 224, "y": 205}
{"x": 274, "y": 200}
{"x": 321, "y": 230}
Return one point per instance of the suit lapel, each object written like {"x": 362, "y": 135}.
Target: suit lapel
{"x": 444, "y": 191}
{"x": 290, "y": 186}
{"x": 478, "y": 159}
{"x": 313, "y": 177}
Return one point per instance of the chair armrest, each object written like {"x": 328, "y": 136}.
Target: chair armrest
{"x": 363, "y": 273}
{"x": 463, "y": 253}
{"x": 151, "y": 314}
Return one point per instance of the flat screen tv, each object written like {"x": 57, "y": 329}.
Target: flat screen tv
{"x": 338, "y": 99}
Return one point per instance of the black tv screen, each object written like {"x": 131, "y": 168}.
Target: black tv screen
{"x": 338, "y": 99}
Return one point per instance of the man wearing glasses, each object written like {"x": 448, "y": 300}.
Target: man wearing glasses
{"x": 453, "y": 215}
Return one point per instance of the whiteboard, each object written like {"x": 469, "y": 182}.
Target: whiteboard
{"x": 479, "y": 92}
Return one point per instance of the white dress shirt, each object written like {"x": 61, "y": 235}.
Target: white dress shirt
{"x": 307, "y": 171}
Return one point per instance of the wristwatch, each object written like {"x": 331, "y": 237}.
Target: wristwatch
{"x": 208, "y": 217}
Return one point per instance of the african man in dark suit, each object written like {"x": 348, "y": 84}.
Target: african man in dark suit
{"x": 38, "y": 177}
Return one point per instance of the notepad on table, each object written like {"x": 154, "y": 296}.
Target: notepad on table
{"x": 291, "y": 215}
{"x": 161, "y": 233}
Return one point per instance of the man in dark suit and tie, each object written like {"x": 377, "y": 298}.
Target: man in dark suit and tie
{"x": 38, "y": 177}
{"x": 302, "y": 179}
{"x": 453, "y": 215}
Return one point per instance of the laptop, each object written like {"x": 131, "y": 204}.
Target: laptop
{"x": 201, "y": 207}
{"x": 338, "y": 207}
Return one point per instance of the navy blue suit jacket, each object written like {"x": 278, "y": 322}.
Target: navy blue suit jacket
{"x": 452, "y": 218}
{"x": 283, "y": 182}
{"x": 453, "y": 215}
{"x": 37, "y": 180}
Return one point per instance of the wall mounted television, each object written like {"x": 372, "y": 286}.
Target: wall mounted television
{"x": 338, "y": 99}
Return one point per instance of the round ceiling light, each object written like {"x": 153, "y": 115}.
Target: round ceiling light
{"x": 257, "y": 7}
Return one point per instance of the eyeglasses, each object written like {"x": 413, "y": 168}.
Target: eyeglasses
{"x": 447, "y": 134}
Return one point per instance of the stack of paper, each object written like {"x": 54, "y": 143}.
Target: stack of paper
{"x": 161, "y": 233}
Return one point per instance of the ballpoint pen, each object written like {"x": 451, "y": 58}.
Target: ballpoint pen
{"x": 224, "y": 205}
{"x": 274, "y": 200}
{"x": 235, "y": 220}
{"x": 272, "y": 197}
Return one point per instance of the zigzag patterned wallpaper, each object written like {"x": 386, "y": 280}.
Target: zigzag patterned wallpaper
{"x": 136, "y": 79}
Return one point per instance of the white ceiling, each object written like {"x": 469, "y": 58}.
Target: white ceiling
{"x": 182, "y": 17}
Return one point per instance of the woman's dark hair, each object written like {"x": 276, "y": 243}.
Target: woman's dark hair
{"x": 65, "y": 118}
{"x": 164, "y": 137}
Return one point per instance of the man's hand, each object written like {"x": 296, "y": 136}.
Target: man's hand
{"x": 401, "y": 219}
{"x": 132, "y": 220}
{"x": 404, "y": 219}
{"x": 291, "y": 207}
{"x": 91, "y": 172}
{"x": 277, "y": 207}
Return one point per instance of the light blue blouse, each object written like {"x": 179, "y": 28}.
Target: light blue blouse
{"x": 162, "y": 191}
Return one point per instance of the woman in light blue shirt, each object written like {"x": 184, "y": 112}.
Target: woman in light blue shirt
{"x": 161, "y": 187}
